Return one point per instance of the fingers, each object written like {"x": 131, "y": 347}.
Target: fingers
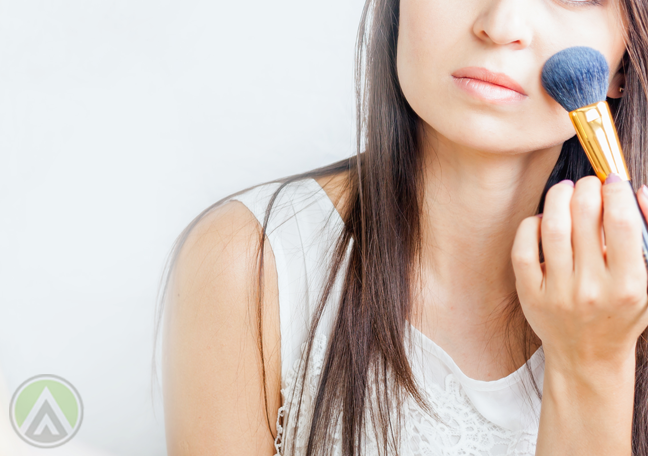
{"x": 586, "y": 213}
{"x": 642, "y": 198}
{"x": 525, "y": 256}
{"x": 556, "y": 232}
{"x": 622, "y": 224}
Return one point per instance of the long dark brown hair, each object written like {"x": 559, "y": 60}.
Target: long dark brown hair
{"x": 382, "y": 218}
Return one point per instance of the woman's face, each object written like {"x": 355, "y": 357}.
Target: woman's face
{"x": 439, "y": 38}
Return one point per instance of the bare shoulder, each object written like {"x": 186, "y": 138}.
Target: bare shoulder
{"x": 213, "y": 383}
{"x": 337, "y": 189}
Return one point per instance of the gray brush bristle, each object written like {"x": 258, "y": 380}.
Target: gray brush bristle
{"x": 576, "y": 77}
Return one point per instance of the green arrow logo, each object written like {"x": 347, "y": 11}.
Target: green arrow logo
{"x": 46, "y": 411}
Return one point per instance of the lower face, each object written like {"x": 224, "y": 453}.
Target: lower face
{"x": 439, "y": 38}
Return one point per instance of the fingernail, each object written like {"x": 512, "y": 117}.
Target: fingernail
{"x": 540, "y": 215}
{"x": 566, "y": 181}
{"x": 644, "y": 190}
{"x": 613, "y": 178}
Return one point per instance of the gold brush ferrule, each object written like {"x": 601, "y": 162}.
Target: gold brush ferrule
{"x": 596, "y": 131}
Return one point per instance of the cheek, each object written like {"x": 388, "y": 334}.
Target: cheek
{"x": 435, "y": 39}
{"x": 429, "y": 31}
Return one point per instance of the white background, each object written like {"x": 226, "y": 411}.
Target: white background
{"x": 121, "y": 120}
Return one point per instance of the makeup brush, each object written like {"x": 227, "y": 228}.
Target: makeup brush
{"x": 577, "y": 78}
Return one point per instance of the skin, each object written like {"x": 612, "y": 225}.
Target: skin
{"x": 485, "y": 167}
{"x": 212, "y": 384}
{"x": 473, "y": 178}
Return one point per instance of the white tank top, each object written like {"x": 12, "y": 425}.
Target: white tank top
{"x": 485, "y": 418}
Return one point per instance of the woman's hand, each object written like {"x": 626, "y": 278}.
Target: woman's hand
{"x": 587, "y": 301}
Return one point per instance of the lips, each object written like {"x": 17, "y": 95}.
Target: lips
{"x": 487, "y": 76}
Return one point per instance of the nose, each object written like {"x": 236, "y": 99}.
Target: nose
{"x": 504, "y": 22}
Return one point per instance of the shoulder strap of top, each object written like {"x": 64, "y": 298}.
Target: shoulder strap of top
{"x": 302, "y": 230}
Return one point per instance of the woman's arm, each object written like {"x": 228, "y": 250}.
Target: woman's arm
{"x": 588, "y": 304}
{"x": 212, "y": 381}
{"x": 588, "y": 412}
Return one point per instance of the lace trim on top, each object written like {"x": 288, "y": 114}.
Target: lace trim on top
{"x": 295, "y": 384}
{"x": 462, "y": 430}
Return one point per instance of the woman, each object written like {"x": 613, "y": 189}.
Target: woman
{"x": 435, "y": 307}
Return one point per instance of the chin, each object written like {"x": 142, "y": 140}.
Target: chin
{"x": 497, "y": 136}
